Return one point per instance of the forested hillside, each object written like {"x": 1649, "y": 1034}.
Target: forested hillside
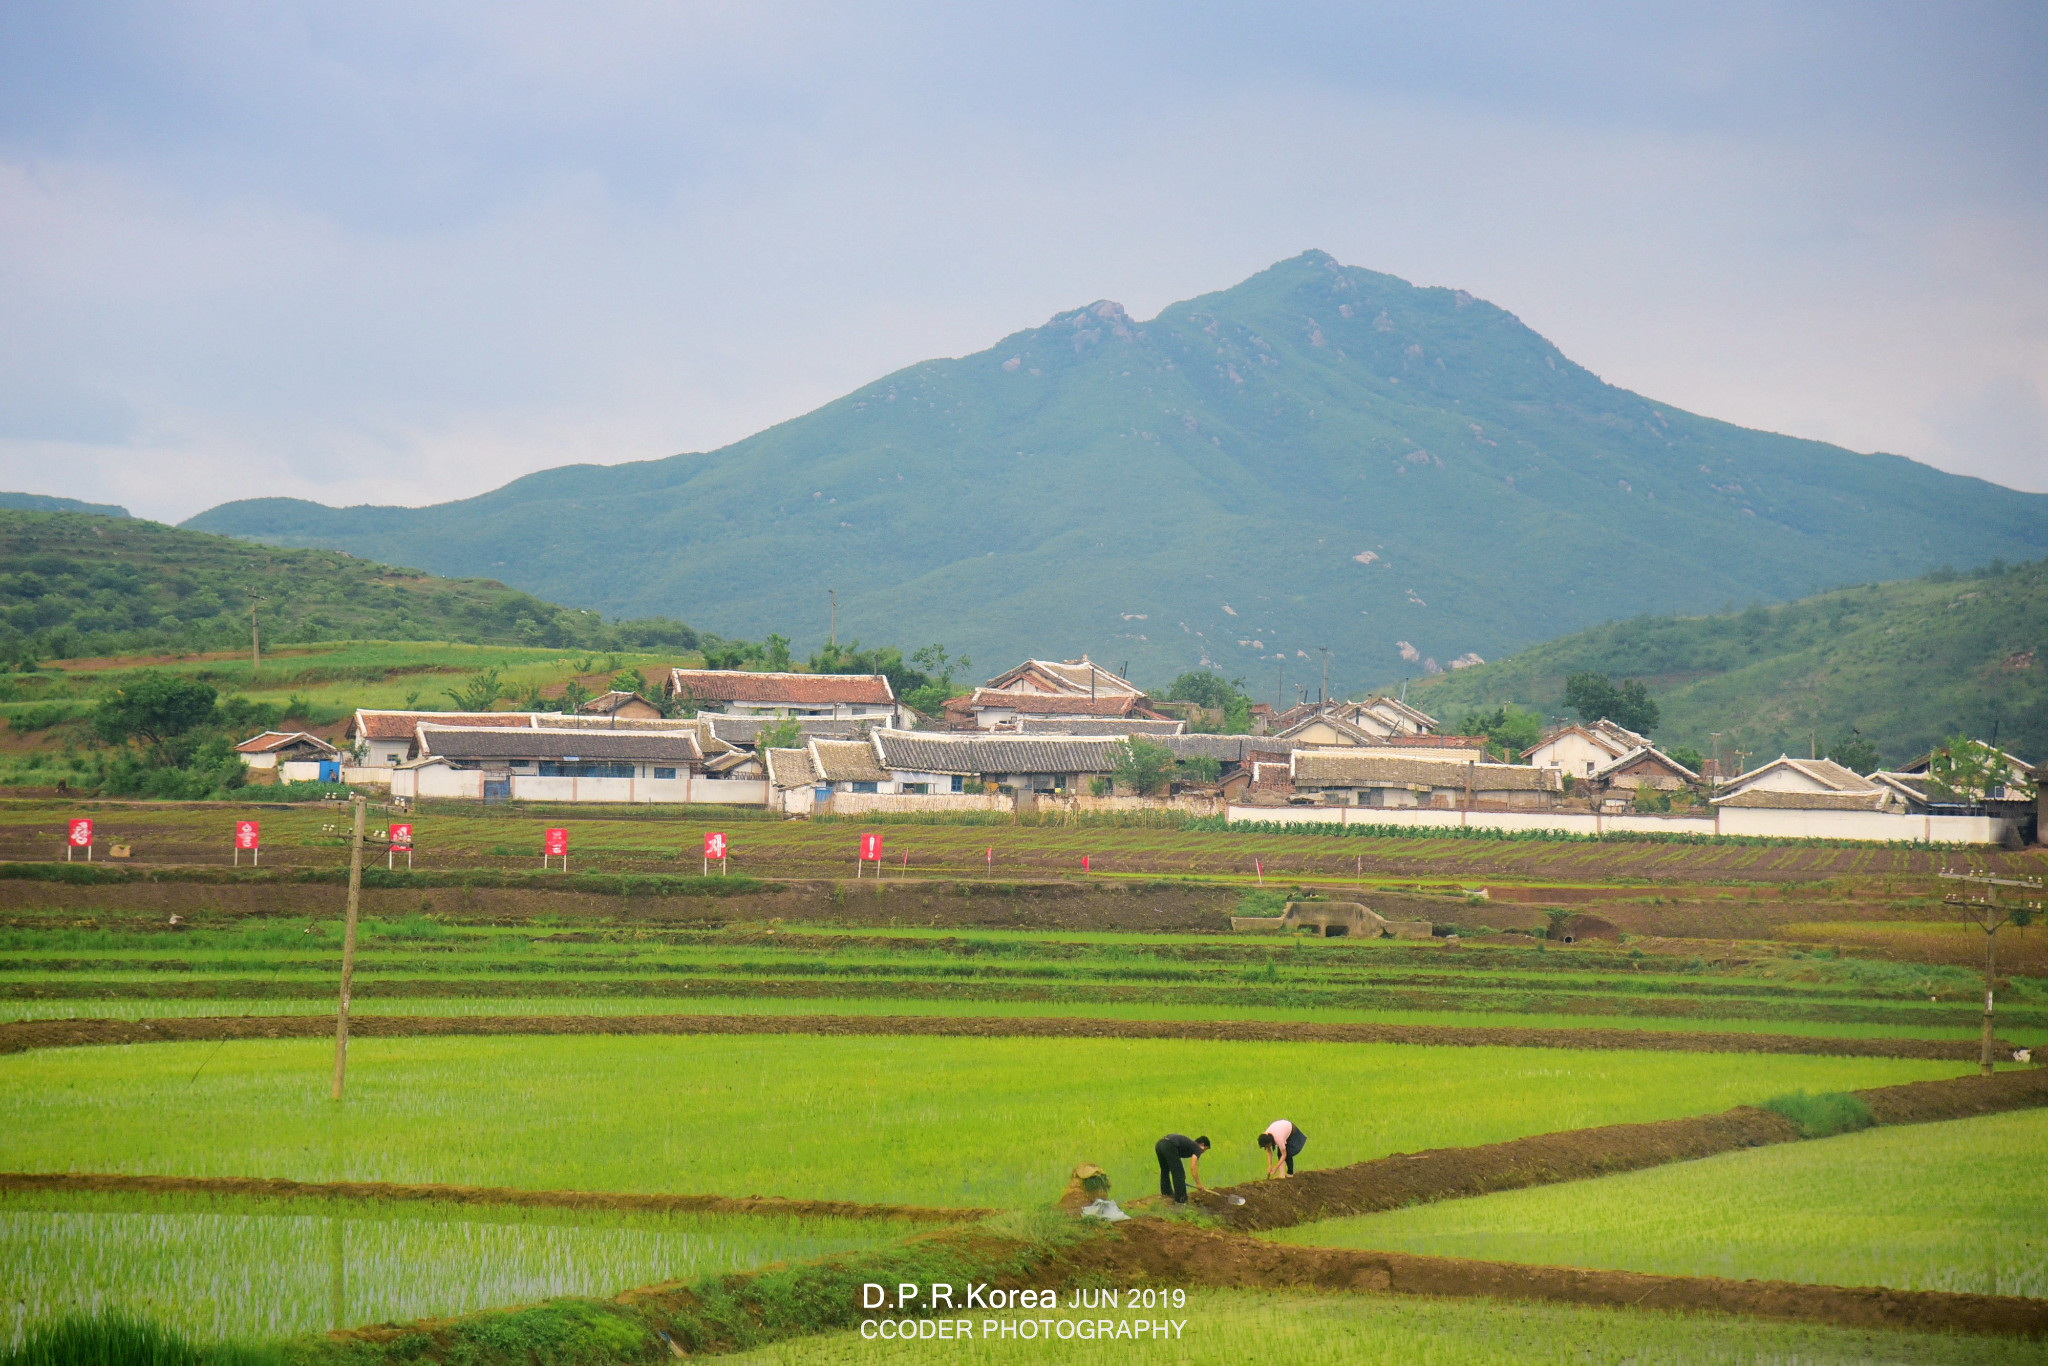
{"x": 1319, "y": 456}
{"x": 73, "y": 584}
{"x": 1901, "y": 664}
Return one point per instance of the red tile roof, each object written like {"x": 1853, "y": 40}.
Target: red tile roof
{"x": 801, "y": 690}
{"x": 271, "y": 740}
{"x": 398, "y": 725}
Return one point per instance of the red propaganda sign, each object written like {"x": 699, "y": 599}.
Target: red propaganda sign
{"x": 714, "y": 844}
{"x": 558, "y": 843}
{"x": 871, "y": 848}
{"x": 246, "y": 834}
{"x": 401, "y": 837}
{"x": 80, "y": 834}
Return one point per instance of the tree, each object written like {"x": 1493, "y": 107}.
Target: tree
{"x": 1855, "y": 753}
{"x": 1211, "y": 691}
{"x": 1595, "y": 696}
{"x": 785, "y": 733}
{"x": 1964, "y": 770}
{"x": 155, "y": 708}
{"x": 479, "y": 694}
{"x": 1142, "y": 766}
{"x": 931, "y": 695}
{"x": 1688, "y": 756}
{"x": 1508, "y": 729}
{"x": 630, "y": 680}
{"x": 574, "y": 695}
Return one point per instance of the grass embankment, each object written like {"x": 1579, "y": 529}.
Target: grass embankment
{"x": 232, "y": 1268}
{"x": 1954, "y": 1206}
{"x": 1233, "y": 1327}
{"x": 421, "y": 964}
{"x": 947, "y": 1121}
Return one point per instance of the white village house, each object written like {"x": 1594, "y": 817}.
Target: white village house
{"x": 828, "y": 696}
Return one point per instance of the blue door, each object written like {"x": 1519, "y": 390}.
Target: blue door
{"x": 330, "y": 770}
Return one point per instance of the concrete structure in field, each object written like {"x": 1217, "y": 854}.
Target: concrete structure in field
{"x": 275, "y": 747}
{"x": 1335, "y": 920}
{"x": 738, "y": 692}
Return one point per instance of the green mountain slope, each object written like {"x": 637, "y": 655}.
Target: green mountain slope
{"x": 43, "y": 502}
{"x": 1320, "y": 456}
{"x": 1904, "y": 664}
{"x": 74, "y": 585}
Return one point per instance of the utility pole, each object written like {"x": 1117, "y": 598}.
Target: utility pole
{"x": 255, "y": 646}
{"x": 833, "y": 594}
{"x": 1280, "y": 690}
{"x": 1326, "y": 674}
{"x": 348, "y": 942}
{"x": 1984, "y": 911}
{"x": 1715, "y": 738}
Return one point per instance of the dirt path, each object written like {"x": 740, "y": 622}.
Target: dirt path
{"x": 20, "y": 1035}
{"x": 1165, "y": 1252}
{"x": 275, "y": 1189}
{"x": 1574, "y": 1155}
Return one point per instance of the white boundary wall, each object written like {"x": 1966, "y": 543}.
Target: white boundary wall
{"x": 883, "y": 803}
{"x": 438, "y": 783}
{"x": 1877, "y": 826}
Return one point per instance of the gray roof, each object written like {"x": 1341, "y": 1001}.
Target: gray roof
{"x": 460, "y": 743}
{"x": 745, "y": 731}
{"x": 1231, "y": 749}
{"x": 985, "y": 755}
{"x": 1089, "y": 725}
{"x": 845, "y": 761}
{"x": 1378, "y": 767}
{"x": 1759, "y": 798}
{"x": 790, "y": 767}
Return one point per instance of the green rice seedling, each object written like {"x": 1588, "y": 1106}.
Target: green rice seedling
{"x": 1824, "y": 1115}
{"x": 239, "y": 1268}
{"x": 1952, "y": 1206}
{"x": 1234, "y": 1327}
{"x": 886, "y": 1118}
{"x": 111, "y": 1338}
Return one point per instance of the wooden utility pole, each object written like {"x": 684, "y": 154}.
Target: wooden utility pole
{"x": 1326, "y": 674}
{"x": 1987, "y": 914}
{"x": 348, "y": 942}
{"x": 833, "y": 594}
{"x": 255, "y": 646}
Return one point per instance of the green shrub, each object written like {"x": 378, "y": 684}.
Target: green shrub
{"x": 1261, "y": 903}
{"x": 1824, "y": 1115}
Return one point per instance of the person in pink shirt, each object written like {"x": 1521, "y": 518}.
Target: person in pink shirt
{"x": 1283, "y": 1142}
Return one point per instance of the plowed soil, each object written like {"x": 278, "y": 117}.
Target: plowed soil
{"x": 18, "y": 1036}
{"x": 1545, "y": 1159}
{"x": 1168, "y": 1252}
{"x": 273, "y": 1189}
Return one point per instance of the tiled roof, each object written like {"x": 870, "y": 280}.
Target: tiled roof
{"x": 1088, "y": 725}
{"x": 1358, "y": 735}
{"x": 1379, "y": 768}
{"x": 1068, "y": 675}
{"x": 790, "y": 768}
{"x": 801, "y": 690}
{"x": 1052, "y": 704}
{"x": 464, "y": 742}
{"x": 1462, "y": 744}
{"x": 846, "y": 761}
{"x": 607, "y": 702}
{"x": 1642, "y": 752}
{"x": 554, "y": 720}
{"x": 1604, "y": 736}
{"x": 1872, "y": 800}
{"x": 986, "y": 755}
{"x": 1826, "y": 772}
{"x": 745, "y": 731}
{"x": 1231, "y": 749}
{"x": 270, "y": 741}
{"x": 398, "y": 725}
{"x": 1394, "y": 707}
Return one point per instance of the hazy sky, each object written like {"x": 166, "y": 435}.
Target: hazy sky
{"x": 402, "y": 253}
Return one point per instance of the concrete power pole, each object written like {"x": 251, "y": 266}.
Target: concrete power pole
{"x": 255, "y": 646}
{"x": 348, "y": 943}
{"x": 1326, "y": 673}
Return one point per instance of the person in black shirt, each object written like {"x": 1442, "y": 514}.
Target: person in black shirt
{"x": 1173, "y": 1178}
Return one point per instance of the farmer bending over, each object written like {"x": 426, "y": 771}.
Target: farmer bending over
{"x": 1173, "y": 1178}
{"x": 1282, "y": 1141}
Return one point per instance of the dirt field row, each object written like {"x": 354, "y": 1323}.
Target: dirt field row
{"x": 22, "y": 1035}
{"x": 1546, "y": 1159}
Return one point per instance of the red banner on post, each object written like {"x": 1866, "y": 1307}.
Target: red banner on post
{"x": 871, "y": 848}
{"x": 714, "y": 844}
{"x": 401, "y": 837}
{"x": 557, "y": 843}
{"x": 80, "y": 834}
{"x": 247, "y": 834}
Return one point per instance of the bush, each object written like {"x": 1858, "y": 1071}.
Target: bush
{"x": 1824, "y": 1115}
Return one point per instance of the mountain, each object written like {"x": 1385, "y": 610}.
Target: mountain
{"x": 1902, "y": 664}
{"x": 43, "y": 502}
{"x": 74, "y": 585}
{"x": 1320, "y": 456}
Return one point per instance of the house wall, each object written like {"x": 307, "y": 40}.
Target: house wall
{"x": 437, "y": 782}
{"x": 269, "y": 760}
{"x": 1837, "y": 825}
{"x": 378, "y": 753}
{"x": 880, "y": 803}
{"x": 1573, "y": 753}
{"x": 1786, "y": 779}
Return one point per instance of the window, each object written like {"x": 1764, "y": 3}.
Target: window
{"x": 519, "y": 763}
{"x": 664, "y": 773}
{"x": 550, "y": 768}
{"x": 918, "y": 789}
{"x": 959, "y": 783}
{"x": 862, "y": 787}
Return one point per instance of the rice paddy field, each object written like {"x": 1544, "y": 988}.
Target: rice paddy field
{"x": 1955, "y": 1206}
{"x": 243, "y": 1269}
{"x": 1234, "y": 1327}
{"x": 926, "y": 1121}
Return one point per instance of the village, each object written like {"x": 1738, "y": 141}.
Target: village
{"x": 1070, "y": 736}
